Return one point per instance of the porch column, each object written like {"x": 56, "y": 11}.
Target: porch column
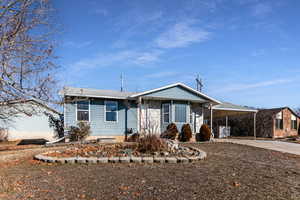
{"x": 140, "y": 114}
{"x": 211, "y": 118}
{"x": 254, "y": 126}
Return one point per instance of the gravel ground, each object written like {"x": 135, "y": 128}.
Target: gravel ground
{"x": 231, "y": 171}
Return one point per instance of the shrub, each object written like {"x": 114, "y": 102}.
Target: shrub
{"x": 186, "y": 133}
{"x": 79, "y": 132}
{"x": 133, "y": 138}
{"x": 57, "y": 123}
{"x": 204, "y": 134}
{"x": 171, "y": 132}
{"x": 3, "y": 135}
{"x": 151, "y": 143}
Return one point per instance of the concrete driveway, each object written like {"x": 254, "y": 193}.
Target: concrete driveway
{"x": 284, "y": 147}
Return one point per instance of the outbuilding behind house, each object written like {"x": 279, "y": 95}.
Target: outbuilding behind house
{"x": 30, "y": 126}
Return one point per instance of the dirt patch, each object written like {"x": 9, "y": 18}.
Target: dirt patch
{"x": 230, "y": 171}
{"x": 23, "y": 154}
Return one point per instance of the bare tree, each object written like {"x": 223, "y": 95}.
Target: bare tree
{"x": 26, "y": 54}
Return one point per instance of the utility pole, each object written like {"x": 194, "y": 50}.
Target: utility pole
{"x": 199, "y": 83}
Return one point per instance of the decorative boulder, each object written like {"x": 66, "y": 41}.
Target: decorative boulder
{"x": 173, "y": 145}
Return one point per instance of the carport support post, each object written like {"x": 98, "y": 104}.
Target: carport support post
{"x": 140, "y": 113}
{"x": 226, "y": 122}
{"x": 211, "y": 117}
{"x": 254, "y": 126}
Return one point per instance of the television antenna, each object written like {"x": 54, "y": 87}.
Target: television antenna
{"x": 122, "y": 82}
{"x": 199, "y": 83}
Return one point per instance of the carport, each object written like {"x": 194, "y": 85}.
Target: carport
{"x": 225, "y": 110}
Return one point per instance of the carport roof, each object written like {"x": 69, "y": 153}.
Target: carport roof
{"x": 226, "y": 106}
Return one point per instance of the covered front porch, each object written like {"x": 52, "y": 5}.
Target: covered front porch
{"x": 176, "y": 103}
{"x": 157, "y": 114}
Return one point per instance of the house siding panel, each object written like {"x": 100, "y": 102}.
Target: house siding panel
{"x": 176, "y": 92}
{"x": 99, "y": 127}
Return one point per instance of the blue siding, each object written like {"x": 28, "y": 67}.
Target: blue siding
{"x": 127, "y": 118}
{"x": 176, "y": 92}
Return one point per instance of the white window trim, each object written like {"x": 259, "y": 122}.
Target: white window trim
{"x": 83, "y": 110}
{"x": 117, "y": 111}
{"x": 163, "y": 113}
{"x": 293, "y": 123}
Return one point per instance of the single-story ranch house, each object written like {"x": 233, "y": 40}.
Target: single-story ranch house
{"x": 112, "y": 114}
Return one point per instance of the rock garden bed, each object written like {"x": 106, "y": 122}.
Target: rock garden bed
{"x": 124, "y": 153}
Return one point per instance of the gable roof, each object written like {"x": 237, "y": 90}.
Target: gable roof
{"x": 273, "y": 111}
{"x": 113, "y": 94}
{"x": 232, "y": 107}
{"x": 174, "y": 85}
{"x": 32, "y": 100}
{"x": 84, "y": 92}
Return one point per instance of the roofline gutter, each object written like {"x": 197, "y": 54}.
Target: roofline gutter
{"x": 95, "y": 96}
{"x": 234, "y": 109}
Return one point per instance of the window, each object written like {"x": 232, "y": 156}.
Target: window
{"x": 166, "y": 113}
{"x": 111, "y": 111}
{"x": 279, "y": 124}
{"x": 294, "y": 123}
{"x": 83, "y": 108}
{"x": 279, "y": 121}
{"x": 180, "y": 113}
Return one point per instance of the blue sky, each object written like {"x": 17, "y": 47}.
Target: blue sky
{"x": 246, "y": 51}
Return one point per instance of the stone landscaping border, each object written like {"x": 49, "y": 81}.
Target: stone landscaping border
{"x": 199, "y": 155}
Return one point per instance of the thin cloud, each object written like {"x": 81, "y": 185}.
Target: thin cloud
{"x": 161, "y": 75}
{"x": 100, "y": 11}
{"x": 241, "y": 87}
{"x": 77, "y": 45}
{"x": 121, "y": 58}
{"x": 181, "y": 34}
{"x": 261, "y": 10}
{"x": 258, "y": 52}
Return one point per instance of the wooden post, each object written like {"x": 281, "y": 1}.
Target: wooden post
{"x": 254, "y": 126}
